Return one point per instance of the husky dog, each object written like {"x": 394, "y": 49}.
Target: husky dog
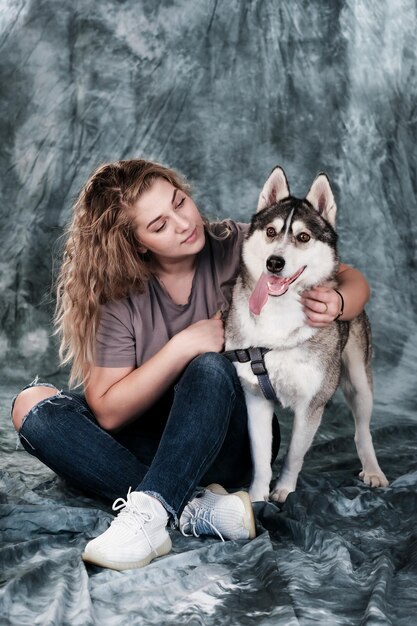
{"x": 291, "y": 247}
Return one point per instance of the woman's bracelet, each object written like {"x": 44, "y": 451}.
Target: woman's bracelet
{"x": 342, "y": 304}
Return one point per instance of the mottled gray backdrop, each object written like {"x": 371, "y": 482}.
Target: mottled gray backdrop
{"x": 222, "y": 90}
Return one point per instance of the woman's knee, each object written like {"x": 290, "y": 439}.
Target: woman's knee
{"x": 27, "y": 399}
{"x": 212, "y": 362}
{"x": 213, "y": 370}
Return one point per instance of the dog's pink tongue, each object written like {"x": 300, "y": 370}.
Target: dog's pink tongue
{"x": 259, "y": 295}
{"x": 266, "y": 285}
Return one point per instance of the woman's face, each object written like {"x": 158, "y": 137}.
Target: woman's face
{"x": 168, "y": 223}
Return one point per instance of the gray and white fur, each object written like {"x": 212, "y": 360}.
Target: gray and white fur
{"x": 305, "y": 364}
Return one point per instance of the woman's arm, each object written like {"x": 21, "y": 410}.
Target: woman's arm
{"x": 323, "y": 304}
{"x": 118, "y": 395}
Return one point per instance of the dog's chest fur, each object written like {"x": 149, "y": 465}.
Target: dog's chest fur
{"x": 300, "y": 355}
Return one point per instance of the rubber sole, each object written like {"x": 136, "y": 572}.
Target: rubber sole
{"x": 101, "y": 561}
{"x": 217, "y": 489}
{"x": 244, "y": 496}
{"x": 250, "y": 517}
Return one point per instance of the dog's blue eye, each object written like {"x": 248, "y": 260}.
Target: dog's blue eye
{"x": 271, "y": 232}
{"x": 303, "y": 237}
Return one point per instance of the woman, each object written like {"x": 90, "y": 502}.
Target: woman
{"x": 142, "y": 284}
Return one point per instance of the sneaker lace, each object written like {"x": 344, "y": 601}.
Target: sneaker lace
{"x": 131, "y": 516}
{"x": 200, "y": 522}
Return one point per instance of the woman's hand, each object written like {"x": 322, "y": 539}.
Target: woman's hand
{"x": 321, "y": 305}
{"x": 201, "y": 337}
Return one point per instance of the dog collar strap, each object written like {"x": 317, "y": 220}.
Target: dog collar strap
{"x": 257, "y": 363}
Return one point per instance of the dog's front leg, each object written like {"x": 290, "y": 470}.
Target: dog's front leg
{"x": 304, "y": 428}
{"x": 260, "y": 415}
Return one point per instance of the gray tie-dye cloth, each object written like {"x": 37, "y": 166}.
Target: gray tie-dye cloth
{"x": 222, "y": 91}
{"x": 337, "y": 553}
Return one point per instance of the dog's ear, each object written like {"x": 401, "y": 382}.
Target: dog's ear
{"x": 321, "y": 198}
{"x": 275, "y": 189}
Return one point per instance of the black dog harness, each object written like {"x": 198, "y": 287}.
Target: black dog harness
{"x": 257, "y": 363}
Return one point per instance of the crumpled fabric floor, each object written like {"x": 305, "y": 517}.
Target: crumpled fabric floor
{"x": 223, "y": 91}
{"x": 337, "y": 553}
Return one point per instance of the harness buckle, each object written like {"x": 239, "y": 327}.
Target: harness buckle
{"x": 242, "y": 356}
{"x": 258, "y": 367}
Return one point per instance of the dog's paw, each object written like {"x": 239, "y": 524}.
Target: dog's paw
{"x": 280, "y": 494}
{"x": 258, "y": 493}
{"x": 258, "y": 497}
{"x": 374, "y": 479}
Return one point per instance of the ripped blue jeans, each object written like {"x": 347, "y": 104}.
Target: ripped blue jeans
{"x": 196, "y": 434}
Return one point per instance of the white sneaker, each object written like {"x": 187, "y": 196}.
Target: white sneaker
{"x": 216, "y": 512}
{"x": 136, "y": 536}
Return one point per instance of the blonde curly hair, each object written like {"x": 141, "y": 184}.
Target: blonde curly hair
{"x": 101, "y": 258}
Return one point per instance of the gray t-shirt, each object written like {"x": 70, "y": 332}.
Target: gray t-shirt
{"x": 135, "y": 328}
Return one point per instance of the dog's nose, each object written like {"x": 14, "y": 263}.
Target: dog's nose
{"x": 275, "y": 264}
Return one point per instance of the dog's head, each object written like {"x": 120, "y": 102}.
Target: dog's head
{"x": 291, "y": 242}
